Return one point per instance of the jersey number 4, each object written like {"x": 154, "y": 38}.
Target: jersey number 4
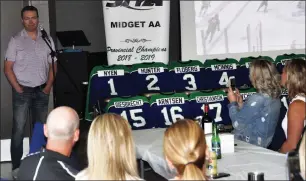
{"x": 224, "y": 79}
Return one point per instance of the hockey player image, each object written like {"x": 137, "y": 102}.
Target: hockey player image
{"x": 263, "y": 3}
{"x": 204, "y": 7}
{"x": 213, "y": 25}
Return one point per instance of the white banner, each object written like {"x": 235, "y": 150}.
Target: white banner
{"x": 137, "y": 31}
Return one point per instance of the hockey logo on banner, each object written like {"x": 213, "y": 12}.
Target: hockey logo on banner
{"x": 137, "y": 31}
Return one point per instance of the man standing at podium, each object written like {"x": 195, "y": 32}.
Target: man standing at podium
{"x": 28, "y": 68}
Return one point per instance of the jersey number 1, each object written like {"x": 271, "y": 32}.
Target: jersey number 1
{"x": 112, "y": 87}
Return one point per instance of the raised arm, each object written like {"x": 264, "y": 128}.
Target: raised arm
{"x": 247, "y": 113}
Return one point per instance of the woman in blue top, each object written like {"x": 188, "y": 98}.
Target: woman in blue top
{"x": 255, "y": 119}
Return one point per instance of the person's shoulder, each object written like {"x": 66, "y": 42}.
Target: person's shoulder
{"x": 17, "y": 35}
{"x": 28, "y": 166}
{"x": 256, "y": 97}
{"x": 66, "y": 168}
{"x": 32, "y": 156}
{"x": 297, "y": 105}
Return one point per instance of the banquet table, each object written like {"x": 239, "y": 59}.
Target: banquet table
{"x": 246, "y": 158}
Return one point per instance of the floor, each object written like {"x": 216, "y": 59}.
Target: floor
{"x": 6, "y": 168}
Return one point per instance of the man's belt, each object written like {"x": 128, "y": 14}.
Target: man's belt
{"x": 42, "y": 86}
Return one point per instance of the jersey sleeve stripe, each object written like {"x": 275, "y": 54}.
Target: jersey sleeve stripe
{"x": 66, "y": 169}
{"x": 37, "y": 168}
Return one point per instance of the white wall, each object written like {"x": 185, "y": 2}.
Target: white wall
{"x": 10, "y": 25}
{"x": 82, "y": 15}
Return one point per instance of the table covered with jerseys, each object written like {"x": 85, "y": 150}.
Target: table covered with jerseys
{"x": 246, "y": 158}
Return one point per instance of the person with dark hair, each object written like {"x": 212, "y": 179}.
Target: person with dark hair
{"x": 28, "y": 68}
{"x": 29, "y": 8}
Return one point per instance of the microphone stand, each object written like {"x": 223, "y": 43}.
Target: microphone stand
{"x": 53, "y": 55}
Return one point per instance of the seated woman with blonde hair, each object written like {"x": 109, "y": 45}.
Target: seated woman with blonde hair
{"x": 255, "y": 119}
{"x": 294, "y": 79}
{"x": 184, "y": 149}
{"x": 110, "y": 150}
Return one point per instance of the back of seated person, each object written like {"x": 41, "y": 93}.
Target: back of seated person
{"x": 185, "y": 150}
{"x": 53, "y": 162}
{"x": 255, "y": 119}
{"x": 110, "y": 150}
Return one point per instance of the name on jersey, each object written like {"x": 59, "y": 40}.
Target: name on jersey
{"x": 110, "y": 73}
{"x": 180, "y": 70}
{"x": 151, "y": 70}
{"x": 207, "y": 99}
{"x": 284, "y": 92}
{"x": 285, "y": 60}
{"x": 124, "y": 104}
{"x": 170, "y": 101}
{"x": 232, "y": 66}
{"x": 245, "y": 95}
{"x": 248, "y": 64}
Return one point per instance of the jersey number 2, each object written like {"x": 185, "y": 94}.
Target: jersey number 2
{"x": 154, "y": 80}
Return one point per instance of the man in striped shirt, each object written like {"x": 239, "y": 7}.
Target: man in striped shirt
{"x": 54, "y": 162}
{"x": 28, "y": 68}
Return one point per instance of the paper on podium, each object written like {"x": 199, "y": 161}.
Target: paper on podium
{"x": 227, "y": 142}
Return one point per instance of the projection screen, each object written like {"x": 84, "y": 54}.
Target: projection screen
{"x": 235, "y": 29}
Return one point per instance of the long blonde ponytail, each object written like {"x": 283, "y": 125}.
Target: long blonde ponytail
{"x": 192, "y": 172}
{"x": 184, "y": 147}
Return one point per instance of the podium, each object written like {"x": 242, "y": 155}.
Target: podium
{"x": 72, "y": 72}
{"x": 72, "y": 38}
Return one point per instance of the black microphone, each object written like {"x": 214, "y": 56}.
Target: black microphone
{"x": 44, "y": 33}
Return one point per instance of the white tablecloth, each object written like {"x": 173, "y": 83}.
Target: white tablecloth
{"x": 246, "y": 158}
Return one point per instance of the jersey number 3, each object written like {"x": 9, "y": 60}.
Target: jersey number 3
{"x": 191, "y": 82}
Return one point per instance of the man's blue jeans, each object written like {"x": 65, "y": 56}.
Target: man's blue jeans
{"x": 33, "y": 101}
